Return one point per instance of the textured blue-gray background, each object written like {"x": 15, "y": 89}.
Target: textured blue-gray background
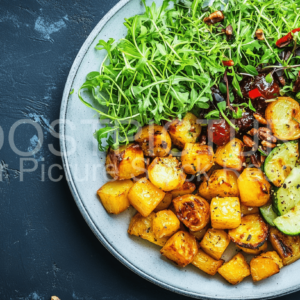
{"x": 45, "y": 246}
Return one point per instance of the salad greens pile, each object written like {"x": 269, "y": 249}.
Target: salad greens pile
{"x": 170, "y": 59}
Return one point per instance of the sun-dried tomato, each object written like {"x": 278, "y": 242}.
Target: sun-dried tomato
{"x": 287, "y": 39}
{"x": 219, "y": 132}
{"x": 255, "y": 93}
{"x": 228, "y": 63}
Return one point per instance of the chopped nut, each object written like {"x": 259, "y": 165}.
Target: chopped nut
{"x": 281, "y": 80}
{"x": 214, "y": 18}
{"x": 229, "y": 30}
{"x": 202, "y": 139}
{"x": 260, "y": 119}
{"x": 259, "y": 34}
{"x": 262, "y": 159}
{"x": 247, "y": 141}
{"x": 255, "y": 162}
{"x": 252, "y": 132}
{"x": 268, "y": 144}
{"x": 264, "y": 134}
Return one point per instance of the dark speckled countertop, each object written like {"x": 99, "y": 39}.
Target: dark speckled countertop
{"x": 46, "y": 247}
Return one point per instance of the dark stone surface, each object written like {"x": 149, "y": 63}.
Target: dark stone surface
{"x": 46, "y": 247}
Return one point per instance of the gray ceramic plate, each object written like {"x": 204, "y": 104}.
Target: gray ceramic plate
{"x": 84, "y": 167}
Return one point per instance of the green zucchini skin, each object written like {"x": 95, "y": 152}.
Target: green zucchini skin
{"x": 289, "y": 224}
{"x": 288, "y": 195}
{"x": 268, "y": 214}
{"x": 275, "y": 200}
{"x": 281, "y": 161}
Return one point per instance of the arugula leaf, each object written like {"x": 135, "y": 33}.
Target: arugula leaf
{"x": 251, "y": 70}
{"x": 103, "y": 133}
{"x": 251, "y": 106}
{"x": 222, "y": 88}
{"x": 169, "y": 60}
{"x": 214, "y": 114}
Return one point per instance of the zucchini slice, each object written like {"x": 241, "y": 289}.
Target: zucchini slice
{"x": 289, "y": 224}
{"x": 281, "y": 161}
{"x": 268, "y": 214}
{"x": 288, "y": 195}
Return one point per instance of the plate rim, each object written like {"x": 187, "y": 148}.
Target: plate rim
{"x": 72, "y": 186}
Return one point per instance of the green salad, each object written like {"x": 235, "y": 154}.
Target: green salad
{"x": 173, "y": 55}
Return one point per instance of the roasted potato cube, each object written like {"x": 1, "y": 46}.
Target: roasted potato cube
{"x": 283, "y": 117}
{"x": 200, "y": 233}
{"x": 248, "y": 210}
{"x": 255, "y": 251}
{"x": 288, "y": 247}
{"x": 113, "y": 195}
{"x": 221, "y": 183}
{"x": 225, "y": 213}
{"x": 186, "y": 188}
{"x": 165, "y": 223}
{"x": 215, "y": 242}
{"x": 180, "y": 248}
{"x": 165, "y": 203}
{"x": 255, "y": 190}
{"x": 206, "y": 263}
{"x": 252, "y": 233}
{"x": 144, "y": 196}
{"x": 154, "y": 140}
{"x": 197, "y": 158}
{"x": 166, "y": 173}
{"x": 192, "y": 211}
{"x": 185, "y": 131}
{"x": 231, "y": 156}
{"x": 235, "y": 270}
{"x": 265, "y": 266}
{"x": 142, "y": 227}
{"x": 273, "y": 255}
{"x": 125, "y": 162}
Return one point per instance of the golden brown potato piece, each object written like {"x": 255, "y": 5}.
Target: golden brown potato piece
{"x": 248, "y": 210}
{"x": 265, "y": 266}
{"x": 192, "y": 211}
{"x": 144, "y": 196}
{"x": 154, "y": 140}
{"x": 230, "y": 156}
{"x": 185, "y": 131}
{"x": 283, "y": 117}
{"x": 125, "y": 162}
{"x": 273, "y": 255}
{"x": 252, "y": 233}
{"x": 215, "y": 242}
{"x": 166, "y": 173}
{"x": 207, "y": 264}
{"x": 288, "y": 247}
{"x": 186, "y": 188}
{"x": 180, "y": 248}
{"x": 225, "y": 213}
{"x": 221, "y": 183}
{"x": 235, "y": 270}
{"x": 255, "y": 251}
{"x": 200, "y": 233}
{"x": 255, "y": 190}
{"x": 165, "y": 203}
{"x": 113, "y": 195}
{"x": 142, "y": 227}
{"x": 165, "y": 223}
{"x": 197, "y": 158}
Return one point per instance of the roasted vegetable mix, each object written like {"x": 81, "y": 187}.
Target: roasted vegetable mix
{"x": 201, "y": 101}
